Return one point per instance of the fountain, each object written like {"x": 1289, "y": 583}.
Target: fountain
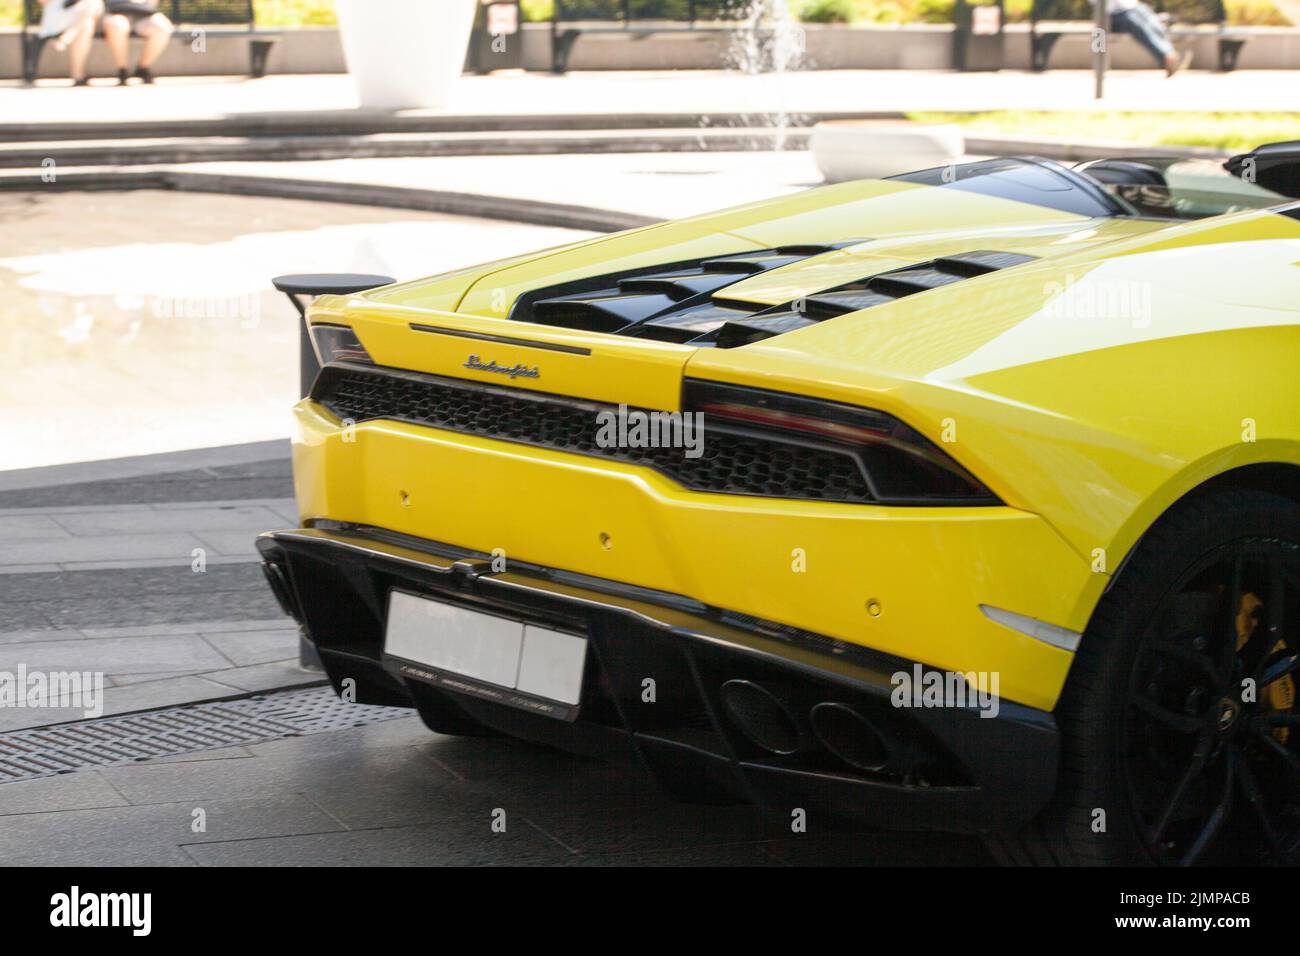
{"x": 770, "y": 43}
{"x": 768, "y": 39}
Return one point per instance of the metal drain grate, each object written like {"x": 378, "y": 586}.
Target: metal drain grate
{"x": 112, "y": 741}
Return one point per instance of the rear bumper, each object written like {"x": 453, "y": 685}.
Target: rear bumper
{"x": 815, "y": 565}
{"x": 943, "y": 768}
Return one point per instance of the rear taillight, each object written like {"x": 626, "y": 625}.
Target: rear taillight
{"x": 899, "y": 465}
{"x": 338, "y": 343}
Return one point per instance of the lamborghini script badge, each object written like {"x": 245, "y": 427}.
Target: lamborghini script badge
{"x": 514, "y": 371}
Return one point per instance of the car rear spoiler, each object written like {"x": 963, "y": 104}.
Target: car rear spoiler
{"x": 314, "y": 284}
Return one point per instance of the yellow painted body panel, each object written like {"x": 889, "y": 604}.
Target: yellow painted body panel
{"x": 1065, "y": 400}
{"x": 1089, "y": 390}
{"x": 638, "y": 372}
{"x": 929, "y": 568}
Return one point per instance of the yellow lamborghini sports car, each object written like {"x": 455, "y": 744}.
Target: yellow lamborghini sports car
{"x": 967, "y": 500}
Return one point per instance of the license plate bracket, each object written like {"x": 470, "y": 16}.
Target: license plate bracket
{"x": 466, "y": 651}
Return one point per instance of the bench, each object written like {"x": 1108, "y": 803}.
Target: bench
{"x": 573, "y": 18}
{"x": 1049, "y": 20}
{"x": 216, "y": 18}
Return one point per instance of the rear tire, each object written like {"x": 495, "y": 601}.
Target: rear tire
{"x": 1162, "y": 762}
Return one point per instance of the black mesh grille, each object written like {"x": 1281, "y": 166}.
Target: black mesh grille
{"x": 732, "y": 461}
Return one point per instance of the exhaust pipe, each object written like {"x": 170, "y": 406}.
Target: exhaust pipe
{"x": 280, "y": 587}
{"x": 277, "y": 576}
{"x": 850, "y": 736}
{"x": 761, "y": 717}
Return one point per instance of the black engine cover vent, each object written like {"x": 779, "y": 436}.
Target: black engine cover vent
{"x": 621, "y": 302}
{"x": 855, "y": 296}
{"x": 743, "y": 331}
{"x": 686, "y": 302}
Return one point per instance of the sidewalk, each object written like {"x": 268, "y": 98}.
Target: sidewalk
{"x": 392, "y": 793}
{"x": 699, "y": 91}
{"x": 98, "y": 573}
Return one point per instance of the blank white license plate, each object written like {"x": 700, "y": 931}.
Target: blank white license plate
{"x": 508, "y": 655}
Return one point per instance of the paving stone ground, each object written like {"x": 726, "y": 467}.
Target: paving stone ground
{"x": 146, "y": 572}
{"x": 393, "y": 793}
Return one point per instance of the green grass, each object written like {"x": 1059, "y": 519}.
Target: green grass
{"x": 878, "y": 11}
{"x": 535, "y": 11}
{"x": 295, "y": 13}
{"x": 1233, "y": 132}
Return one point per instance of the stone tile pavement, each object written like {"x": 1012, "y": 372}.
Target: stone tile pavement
{"x": 144, "y": 570}
{"x": 393, "y": 793}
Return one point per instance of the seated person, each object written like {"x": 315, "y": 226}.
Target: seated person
{"x": 72, "y": 24}
{"x": 1140, "y": 22}
{"x": 142, "y": 18}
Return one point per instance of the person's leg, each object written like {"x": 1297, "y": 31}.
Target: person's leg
{"x": 80, "y": 12}
{"x": 76, "y": 39}
{"x": 117, "y": 31}
{"x": 157, "y": 30}
{"x": 1143, "y": 25}
{"x": 79, "y": 52}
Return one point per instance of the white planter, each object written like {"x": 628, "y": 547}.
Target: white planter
{"x": 405, "y": 54}
{"x": 847, "y": 150}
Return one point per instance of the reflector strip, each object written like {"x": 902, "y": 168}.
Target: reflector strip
{"x": 1061, "y": 637}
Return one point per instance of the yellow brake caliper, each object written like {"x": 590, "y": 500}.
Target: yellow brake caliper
{"x": 1279, "y": 695}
